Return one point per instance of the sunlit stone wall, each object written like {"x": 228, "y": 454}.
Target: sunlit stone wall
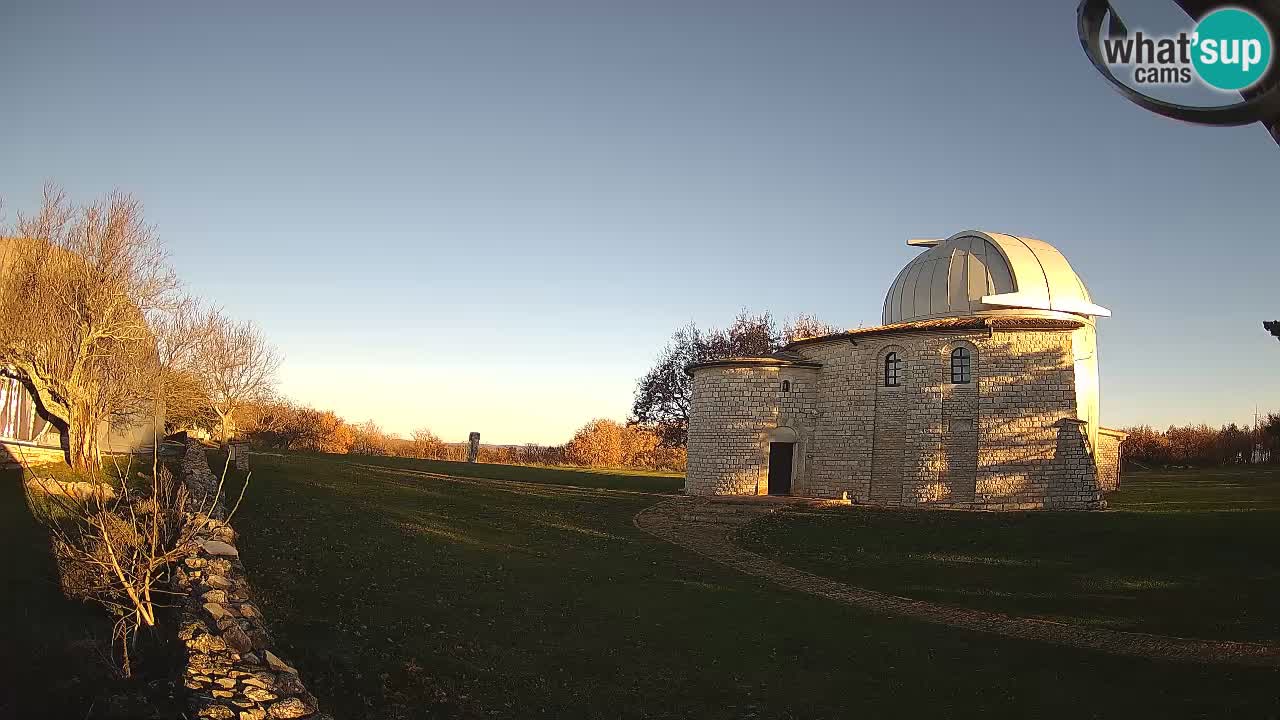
{"x": 1009, "y": 440}
{"x": 907, "y": 445}
{"x": 1032, "y": 447}
{"x": 734, "y": 412}
{"x": 1109, "y": 455}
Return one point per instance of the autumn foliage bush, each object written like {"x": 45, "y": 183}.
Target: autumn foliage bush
{"x": 605, "y": 443}
{"x": 283, "y": 425}
{"x": 1202, "y": 445}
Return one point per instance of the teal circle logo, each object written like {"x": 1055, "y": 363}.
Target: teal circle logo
{"x": 1232, "y": 49}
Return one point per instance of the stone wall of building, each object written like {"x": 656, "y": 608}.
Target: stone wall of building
{"x": 1109, "y": 455}
{"x": 907, "y": 445}
{"x": 232, "y": 672}
{"x": 734, "y": 413}
{"x": 1033, "y": 449}
{"x": 1010, "y": 439}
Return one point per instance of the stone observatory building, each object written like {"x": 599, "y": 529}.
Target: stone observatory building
{"x": 979, "y": 390}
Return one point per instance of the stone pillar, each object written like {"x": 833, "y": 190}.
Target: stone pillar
{"x": 473, "y": 448}
{"x": 239, "y": 455}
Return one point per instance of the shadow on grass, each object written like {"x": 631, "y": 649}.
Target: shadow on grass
{"x": 1192, "y": 554}
{"x": 55, "y": 653}
{"x": 602, "y": 478}
{"x": 508, "y": 609}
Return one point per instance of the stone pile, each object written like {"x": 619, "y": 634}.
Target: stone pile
{"x": 231, "y": 672}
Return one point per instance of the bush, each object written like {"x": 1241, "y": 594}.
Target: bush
{"x": 1203, "y": 445}
{"x": 116, "y": 550}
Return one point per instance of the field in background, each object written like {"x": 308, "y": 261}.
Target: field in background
{"x": 403, "y": 594}
{"x": 636, "y": 480}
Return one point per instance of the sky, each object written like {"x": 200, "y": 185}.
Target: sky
{"x": 490, "y": 216}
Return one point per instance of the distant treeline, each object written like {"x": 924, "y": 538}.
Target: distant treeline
{"x": 1204, "y": 445}
{"x": 284, "y": 425}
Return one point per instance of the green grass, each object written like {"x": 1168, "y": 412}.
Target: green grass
{"x": 1191, "y": 553}
{"x": 633, "y": 480}
{"x": 402, "y": 595}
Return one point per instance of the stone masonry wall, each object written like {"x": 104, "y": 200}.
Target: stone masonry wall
{"x": 1109, "y": 454}
{"x": 1033, "y": 453}
{"x": 908, "y": 445}
{"x": 734, "y": 411}
{"x": 1010, "y": 439}
{"x": 231, "y": 672}
{"x": 797, "y": 410}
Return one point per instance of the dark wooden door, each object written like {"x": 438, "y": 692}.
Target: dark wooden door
{"x": 780, "y": 468}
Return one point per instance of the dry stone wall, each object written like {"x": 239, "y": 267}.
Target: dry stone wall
{"x": 232, "y": 672}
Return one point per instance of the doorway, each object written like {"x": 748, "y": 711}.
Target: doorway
{"x": 780, "y": 457}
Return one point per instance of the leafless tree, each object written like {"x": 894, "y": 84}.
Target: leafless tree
{"x": 181, "y": 332}
{"x": 76, "y": 287}
{"x": 278, "y": 423}
{"x": 805, "y": 325}
{"x": 368, "y": 438}
{"x": 239, "y": 365}
{"x": 426, "y": 444}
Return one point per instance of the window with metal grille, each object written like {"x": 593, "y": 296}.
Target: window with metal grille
{"x": 892, "y": 370}
{"x": 961, "y": 366}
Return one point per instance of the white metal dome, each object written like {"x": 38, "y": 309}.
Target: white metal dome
{"x": 981, "y": 273}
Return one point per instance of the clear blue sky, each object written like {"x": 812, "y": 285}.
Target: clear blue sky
{"x": 490, "y": 215}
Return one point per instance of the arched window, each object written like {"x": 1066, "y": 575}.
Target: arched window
{"x": 892, "y": 370}
{"x": 961, "y": 366}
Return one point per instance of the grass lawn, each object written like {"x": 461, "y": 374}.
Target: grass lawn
{"x": 1193, "y": 553}
{"x": 634, "y": 480}
{"x": 400, "y": 594}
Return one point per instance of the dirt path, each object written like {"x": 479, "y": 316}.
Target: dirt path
{"x": 707, "y": 527}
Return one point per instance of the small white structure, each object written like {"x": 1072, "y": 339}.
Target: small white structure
{"x": 980, "y": 390}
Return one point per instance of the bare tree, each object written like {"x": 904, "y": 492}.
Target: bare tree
{"x": 425, "y": 444}
{"x": 239, "y": 365}
{"x": 76, "y": 288}
{"x": 804, "y": 326}
{"x": 285, "y": 425}
{"x": 181, "y": 332}
{"x": 368, "y": 438}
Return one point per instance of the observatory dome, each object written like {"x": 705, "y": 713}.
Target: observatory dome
{"x": 982, "y": 273}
